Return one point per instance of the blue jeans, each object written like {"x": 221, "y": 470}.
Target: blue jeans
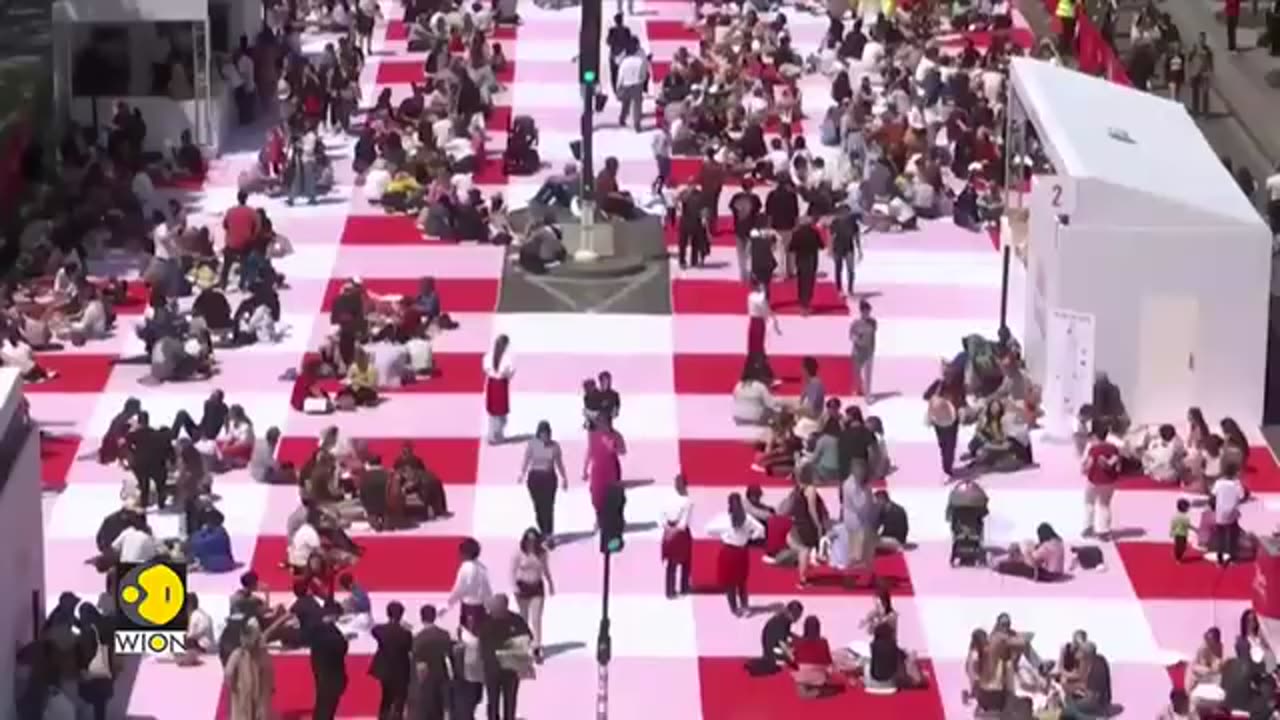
{"x": 304, "y": 182}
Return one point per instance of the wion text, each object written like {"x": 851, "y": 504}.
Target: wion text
{"x": 149, "y": 642}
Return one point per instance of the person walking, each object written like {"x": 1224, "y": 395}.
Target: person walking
{"x": 498, "y": 369}
{"x": 618, "y": 40}
{"x": 1231, "y": 16}
{"x": 693, "y": 240}
{"x": 543, "y": 462}
{"x": 328, "y": 663}
{"x": 782, "y": 206}
{"x": 1200, "y": 71}
{"x": 1101, "y": 468}
{"x": 631, "y": 84}
{"x": 662, "y": 157}
{"x": 945, "y": 396}
{"x": 503, "y": 631}
{"x": 250, "y": 676}
{"x": 745, "y": 207}
{"x": 602, "y": 464}
{"x": 846, "y": 248}
{"x": 531, "y": 577}
{"x": 391, "y": 662}
{"x": 862, "y": 335}
{"x": 806, "y": 246}
{"x": 432, "y": 652}
{"x": 711, "y": 179}
{"x": 677, "y": 541}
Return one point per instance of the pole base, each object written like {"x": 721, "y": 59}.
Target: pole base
{"x": 586, "y": 255}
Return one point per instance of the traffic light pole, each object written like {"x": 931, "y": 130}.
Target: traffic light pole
{"x": 604, "y": 646}
{"x": 587, "y": 202}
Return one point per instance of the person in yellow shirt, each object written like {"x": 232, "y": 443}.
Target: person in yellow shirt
{"x": 362, "y": 382}
{"x": 1066, "y": 13}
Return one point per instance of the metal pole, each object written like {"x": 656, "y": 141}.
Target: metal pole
{"x": 586, "y": 201}
{"x": 1006, "y": 254}
{"x": 604, "y": 647}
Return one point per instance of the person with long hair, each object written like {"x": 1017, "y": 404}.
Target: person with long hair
{"x": 677, "y": 541}
{"x": 733, "y": 564}
{"x": 498, "y": 369}
{"x": 249, "y": 676}
{"x": 602, "y": 465}
{"x": 1252, "y": 646}
{"x": 542, "y": 463}
{"x": 531, "y": 578}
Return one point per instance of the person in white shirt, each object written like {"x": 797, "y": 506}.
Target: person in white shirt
{"x": 677, "y": 542}
{"x": 235, "y": 447}
{"x": 304, "y": 543}
{"x": 135, "y": 543}
{"x": 662, "y": 156}
{"x": 92, "y": 323}
{"x": 1228, "y": 493}
{"x": 471, "y": 588}
{"x": 1163, "y": 458}
{"x": 753, "y": 404}
{"x": 631, "y": 84}
{"x": 734, "y": 563}
{"x": 200, "y": 638}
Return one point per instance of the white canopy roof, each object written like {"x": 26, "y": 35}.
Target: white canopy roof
{"x": 130, "y": 11}
{"x": 1095, "y": 129}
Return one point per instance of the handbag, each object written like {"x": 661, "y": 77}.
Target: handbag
{"x": 317, "y": 406}
{"x": 100, "y": 665}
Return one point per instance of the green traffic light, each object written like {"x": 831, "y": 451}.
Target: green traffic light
{"x": 614, "y": 545}
{"x": 589, "y": 76}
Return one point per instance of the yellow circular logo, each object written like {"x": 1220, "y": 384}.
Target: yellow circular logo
{"x": 152, "y": 595}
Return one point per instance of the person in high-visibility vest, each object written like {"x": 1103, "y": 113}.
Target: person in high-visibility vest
{"x": 1066, "y": 14}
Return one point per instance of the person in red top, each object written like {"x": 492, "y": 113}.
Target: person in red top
{"x": 811, "y": 659}
{"x": 1231, "y": 14}
{"x": 1101, "y": 468}
{"x": 243, "y": 227}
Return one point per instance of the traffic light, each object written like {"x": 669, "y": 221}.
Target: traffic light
{"x": 612, "y": 522}
{"x": 589, "y": 43}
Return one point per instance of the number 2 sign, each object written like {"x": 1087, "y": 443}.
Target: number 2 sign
{"x": 1061, "y": 193}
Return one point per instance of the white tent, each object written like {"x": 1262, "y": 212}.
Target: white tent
{"x": 1145, "y": 233}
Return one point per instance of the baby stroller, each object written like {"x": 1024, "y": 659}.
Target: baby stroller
{"x": 968, "y": 514}
{"x": 521, "y": 156}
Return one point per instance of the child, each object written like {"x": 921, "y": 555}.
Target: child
{"x": 1180, "y": 528}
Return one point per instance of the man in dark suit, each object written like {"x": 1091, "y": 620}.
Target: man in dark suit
{"x": 390, "y": 664}
{"x": 432, "y": 648}
{"x": 501, "y": 685}
{"x": 328, "y": 664}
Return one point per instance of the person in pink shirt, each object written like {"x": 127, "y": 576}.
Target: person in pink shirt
{"x": 1044, "y": 560}
{"x": 603, "y": 465}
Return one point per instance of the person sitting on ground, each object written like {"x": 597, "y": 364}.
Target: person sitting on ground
{"x": 890, "y": 666}
{"x": 416, "y": 479}
{"x": 263, "y": 466}
{"x": 543, "y": 247}
{"x": 235, "y": 446}
{"x": 811, "y": 661}
{"x": 210, "y": 547}
{"x": 1043, "y": 560}
{"x": 1164, "y": 457}
{"x": 361, "y": 385}
{"x": 753, "y": 403}
{"x": 1204, "y": 673}
{"x": 894, "y": 525}
{"x": 777, "y": 457}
